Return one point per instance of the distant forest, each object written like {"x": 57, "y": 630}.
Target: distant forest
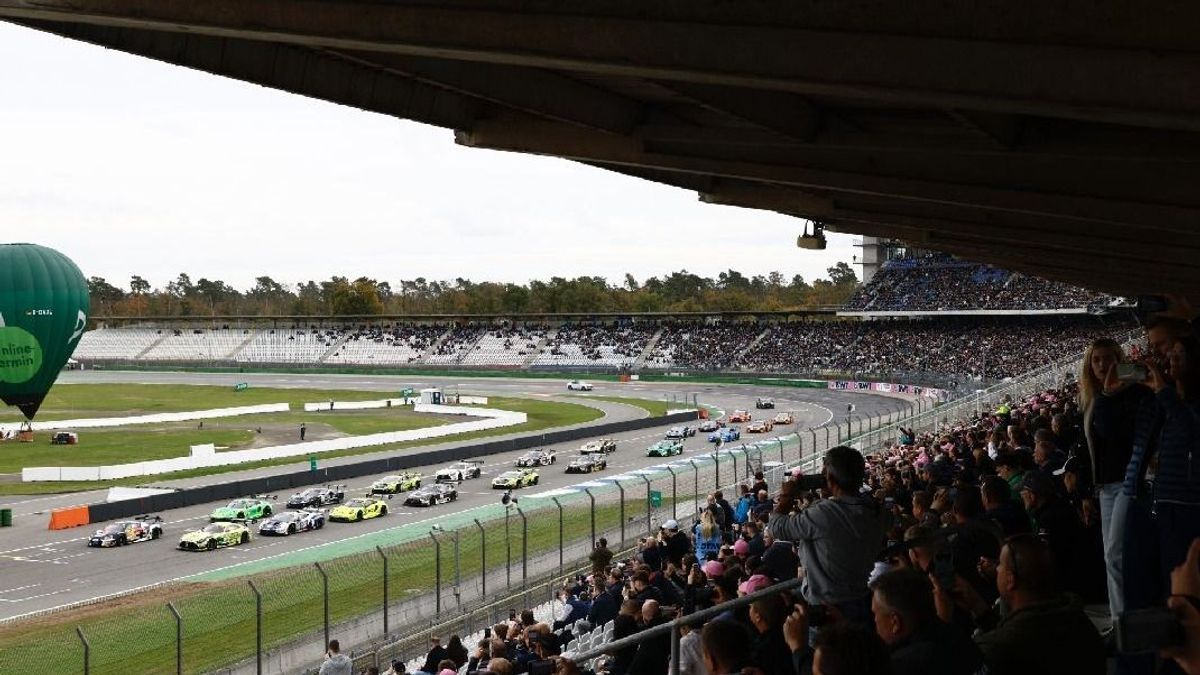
{"x": 340, "y": 296}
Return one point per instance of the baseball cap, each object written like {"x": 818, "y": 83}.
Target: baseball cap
{"x": 1037, "y": 482}
{"x": 755, "y": 583}
{"x": 447, "y": 671}
{"x": 741, "y": 547}
{"x": 713, "y": 568}
{"x": 1073, "y": 464}
{"x": 670, "y": 525}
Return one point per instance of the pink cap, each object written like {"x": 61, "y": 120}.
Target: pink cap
{"x": 755, "y": 583}
{"x": 447, "y": 671}
{"x": 797, "y": 472}
{"x": 713, "y": 568}
{"x": 741, "y": 547}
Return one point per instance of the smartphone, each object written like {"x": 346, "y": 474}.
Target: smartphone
{"x": 1131, "y": 372}
{"x": 943, "y": 568}
{"x": 1148, "y": 630}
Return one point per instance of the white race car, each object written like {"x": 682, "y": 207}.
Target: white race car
{"x": 578, "y": 385}
{"x": 459, "y": 471}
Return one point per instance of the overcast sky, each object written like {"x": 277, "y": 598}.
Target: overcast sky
{"x": 132, "y": 166}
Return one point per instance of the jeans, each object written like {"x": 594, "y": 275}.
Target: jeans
{"x": 1112, "y": 529}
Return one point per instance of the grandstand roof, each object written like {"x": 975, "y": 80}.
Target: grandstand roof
{"x": 1055, "y": 137}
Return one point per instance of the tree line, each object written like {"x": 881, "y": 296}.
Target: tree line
{"x": 680, "y": 291}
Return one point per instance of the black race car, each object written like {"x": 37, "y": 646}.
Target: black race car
{"x": 291, "y": 522}
{"x": 762, "y": 403}
{"x": 587, "y": 463}
{"x": 317, "y": 497}
{"x": 438, "y": 493}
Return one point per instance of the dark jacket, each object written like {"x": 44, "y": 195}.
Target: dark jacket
{"x": 434, "y": 657}
{"x": 941, "y": 649}
{"x": 1178, "y": 476}
{"x": 1057, "y": 521}
{"x": 1110, "y": 423}
{"x": 653, "y": 654}
{"x": 600, "y": 558}
{"x": 678, "y": 546}
{"x": 604, "y": 609}
{"x": 772, "y": 654}
{"x": 1052, "y": 638}
{"x": 623, "y": 626}
{"x": 1146, "y": 436}
{"x": 1010, "y": 517}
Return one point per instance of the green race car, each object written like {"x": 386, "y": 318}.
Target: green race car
{"x": 359, "y": 509}
{"x": 665, "y": 449}
{"x": 401, "y": 482}
{"x": 242, "y": 509}
{"x": 517, "y": 478}
{"x": 214, "y": 536}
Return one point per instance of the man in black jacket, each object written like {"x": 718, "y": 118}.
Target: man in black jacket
{"x": 654, "y": 653}
{"x": 1058, "y": 523}
{"x": 919, "y": 643}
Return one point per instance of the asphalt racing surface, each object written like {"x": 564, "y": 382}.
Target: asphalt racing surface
{"x": 42, "y": 569}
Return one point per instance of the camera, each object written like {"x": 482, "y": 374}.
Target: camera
{"x": 814, "y": 482}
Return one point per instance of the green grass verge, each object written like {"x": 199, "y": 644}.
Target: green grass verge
{"x": 219, "y": 620}
{"x": 654, "y": 408}
{"x": 541, "y": 415}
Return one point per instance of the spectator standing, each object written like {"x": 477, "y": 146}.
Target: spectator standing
{"x": 336, "y": 663}
{"x": 708, "y": 536}
{"x": 723, "y": 644}
{"x": 600, "y": 557}
{"x": 771, "y": 654}
{"x": 838, "y": 538}
{"x": 436, "y": 653}
{"x": 456, "y": 652}
{"x": 654, "y": 653}
{"x": 677, "y": 542}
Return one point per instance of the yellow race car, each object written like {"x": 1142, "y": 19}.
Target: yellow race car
{"x": 517, "y": 478}
{"x": 359, "y": 509}
{"x": 401, "y": 482}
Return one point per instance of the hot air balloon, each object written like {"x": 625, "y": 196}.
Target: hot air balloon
{"x": 43, "y": 312}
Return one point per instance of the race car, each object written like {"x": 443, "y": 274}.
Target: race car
{"x": 725, "y": 435}
{"x": 760, "y": 427}
{"x": 537, "y": 458}
{"x": 215, "y": 536}
{"x": 604, "y": 445}
{"x": 665, "y": 449}
{"x": 762, "y": 403}
{"x": 587, "y": 463}
{"x": 784, "y": 418}
{"x": 291, "y": 522}
{"x": 142, "y": 528}
{"x": 518, "y": 478}
{"x": 402, "y": 482}
{"x": 681, "y": 432}
{"x": 739, "y": 416}
{"x": 359, "y": 509}
{"x": 316, "y": 497}
{"x": 578, "y": 385}
{"x": 438, "y": 493}
{"x": 251, "y": 508}
{"x": 459, "y": 471}
{"x": 710, "y": 425}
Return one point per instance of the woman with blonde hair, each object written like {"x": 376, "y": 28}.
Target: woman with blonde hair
{"x": 708, "y": 537}
{"x": 1110, "y": 409}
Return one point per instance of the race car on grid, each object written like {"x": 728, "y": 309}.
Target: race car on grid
{"x": 665, "y": 449}
{"x": 251, "y": 508}
{"x": 438, "y": 493}
{"x": 214, "y": 536}
{"x": 587, "y": 463}
{"x": 784, "y": 418}
{"x": 316, "y": 497}
{"x": 122, "y": 532}
{"x": 711, "y": 425}
{"x": 359, "y": 509}
{"x": 760, "y": 426}
{"x": 401, "y": 482}
{"x": 578, "y": 385}
{"x": 291, "y": 522}
{"x": 459, "y": 471}
{"x": 518, "y": 478}
{"x": 537, "y": 458}
{"x": 762, "y": 403}
{"x": 681, "y": 432}
{"x": 604, "y": 445}
{"x": 725, "y": 435}
{"x": 739, "y": 416}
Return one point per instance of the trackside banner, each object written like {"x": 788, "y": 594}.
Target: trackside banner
{"x": 887, "y": 387}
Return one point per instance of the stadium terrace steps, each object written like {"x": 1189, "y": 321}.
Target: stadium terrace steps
{"x": 549, "y": 334}
{"x": 333, "y": 348}
{"x": 149, "y": 348}
{"x": 641, "y": 359}
{"x": 753, "y": 343}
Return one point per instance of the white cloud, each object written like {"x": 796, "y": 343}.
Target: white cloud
{"x": 132, "y": 166}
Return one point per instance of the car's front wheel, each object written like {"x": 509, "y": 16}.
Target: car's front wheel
{"x": 212, "y": 545}
{"x": 155, "y": 534}
{"x": 266, "y": 511}
{"x": 291, "y": 529}
{"x": 383, "y": 510}
{"x": 359, "y": 515}
{"x": 245, "y": 538}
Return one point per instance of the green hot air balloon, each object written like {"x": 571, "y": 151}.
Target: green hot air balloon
{"x": 43, "y": 313}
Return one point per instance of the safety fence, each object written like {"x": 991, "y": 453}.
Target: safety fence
{"x": 404, "y": 580}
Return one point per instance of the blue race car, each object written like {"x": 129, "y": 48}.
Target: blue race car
{"x": 725, "y": 435}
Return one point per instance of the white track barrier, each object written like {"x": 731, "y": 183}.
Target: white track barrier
{"x": 492, "y": 419}
{"x": 155, "y": 418}
{"x": 336, "y": 406}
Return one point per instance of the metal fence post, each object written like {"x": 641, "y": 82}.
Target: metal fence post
{"x": 735, "y": 465}
{"x": 385, "y": 588}
{"x": 780, "y": 439}
{"x": 695, "y": 483}
{"x": 675, "y": 648}
{"x": 482, "y": 559}
{"x": 592, "y": 510}
{"x": 524, "y": 546}
{"x": 507, "y": 546}
{"x": 258, "y": 651}
{"x": 622, "y": 510}
{"x": 560, "y": 534}
{"x": 649, "y": 528}
{"x": 839, "y": 430}
{"x": 178, "y": 638}
{"x": 674, "y": 493}
{"x": 324, "y": 592}
{"x": 457, "y": 572}
{"x": 87, "y": 651}
{"x": 812, "y": 431}
{"x": 437, "y": 572}
{"x": 717, "y": 471}
{"x": 827, "y": 440}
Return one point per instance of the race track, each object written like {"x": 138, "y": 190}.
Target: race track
{"x": 42, "y": 569}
